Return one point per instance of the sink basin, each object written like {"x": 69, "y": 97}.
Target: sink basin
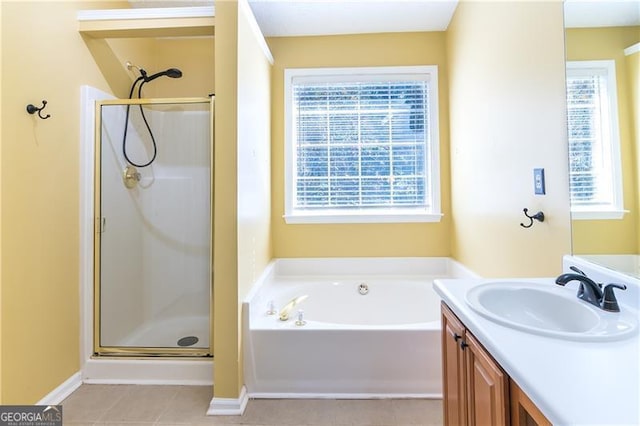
{"x": 548, "y": 310}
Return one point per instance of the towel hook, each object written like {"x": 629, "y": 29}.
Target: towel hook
{"x": 32, "y": 109}
{"x": 538, "y": 216}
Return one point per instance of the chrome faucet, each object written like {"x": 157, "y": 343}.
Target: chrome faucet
{"x": 286, "y": 310}
{"x": 592, "y": 292}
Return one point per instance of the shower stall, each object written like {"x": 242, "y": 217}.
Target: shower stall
{"x": 153, "y": 215}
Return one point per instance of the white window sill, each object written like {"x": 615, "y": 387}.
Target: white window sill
{"x": 597, "y": 214}
{"x": 361, "y": 217}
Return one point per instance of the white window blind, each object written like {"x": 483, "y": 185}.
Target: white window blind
{"x": 361, "y": 144}
{"x": 594, "y": 153}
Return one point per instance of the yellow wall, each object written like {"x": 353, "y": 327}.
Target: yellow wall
{"x": 254, "y": 156}
{"x": 242, "y": 246}
{"x": 633, "y": 71}
{"x": 507, "y": 97}
{"x": 194, "y": 56}
{"x": 339, "y": 240}
{"x": 254, "y": 153}
{"x": 225, "y": 223}
{"x": 44, "y": 57}
{"x": 40, "y": 306}
{"x": 611, "y": 236}
{"x": 1, "y": 401}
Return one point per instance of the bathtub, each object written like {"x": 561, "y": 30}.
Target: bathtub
{"x": 626, "y": 263}
{"x": 381, "y": 344}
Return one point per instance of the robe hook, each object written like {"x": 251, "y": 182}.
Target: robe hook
{"x": 538, "y": 216}
{"x": 32, "y": 109}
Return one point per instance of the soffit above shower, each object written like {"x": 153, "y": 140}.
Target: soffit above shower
{"x": 148, "y": 22}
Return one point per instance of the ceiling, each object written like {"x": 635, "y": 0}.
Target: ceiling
{"x": 285, "y": 18}
{"x": 325, "y": 17}
{"x": 609, "y": 13}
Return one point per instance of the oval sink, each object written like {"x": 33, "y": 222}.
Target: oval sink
{"x": 548, "y": 310}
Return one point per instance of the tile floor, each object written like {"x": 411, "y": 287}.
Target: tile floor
{"x": 133, "y": 405}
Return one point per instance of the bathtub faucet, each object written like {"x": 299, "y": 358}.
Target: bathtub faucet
{"x": 286, "y": 310}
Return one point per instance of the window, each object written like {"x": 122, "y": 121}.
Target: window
{"x": 361, "y": 145}
{"x": 594, "y": 144}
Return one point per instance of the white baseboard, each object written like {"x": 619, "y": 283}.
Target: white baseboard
{"x": 148, "y": 372}
{"x": 229, "y": 406}
{"x": 58, "y": 395}
{"x": 311, "y": 395}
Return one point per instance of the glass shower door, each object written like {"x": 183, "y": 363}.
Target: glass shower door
{"x": 153, "y": 227}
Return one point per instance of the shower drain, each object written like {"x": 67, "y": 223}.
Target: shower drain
{"x": 187, "y": 341}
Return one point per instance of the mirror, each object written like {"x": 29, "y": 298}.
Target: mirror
{"x": 603, "y": 38}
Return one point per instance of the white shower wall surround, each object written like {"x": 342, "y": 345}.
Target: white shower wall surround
{"x": 155, "y": 245}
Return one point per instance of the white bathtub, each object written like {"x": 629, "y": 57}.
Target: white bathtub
{"x": 626, "y": 263}
{"x": 382, "y": 344}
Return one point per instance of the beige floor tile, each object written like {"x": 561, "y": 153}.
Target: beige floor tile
{"x": 262, "y": 411}
{"x": 123, "y": 424}
{"x": 90, "y": 402}
{"x": 212, "y": 421}
{"x": 222, "y": 420}
{"x": 290, "y": 412}
{"x": 141, "y": 404}
{"x": 130, "y": 405}
{"x": 377, "y": 412}
{"x": 417, "y": 412}
{"x": 188, "y": 406}
{"x": 209, "y": 421}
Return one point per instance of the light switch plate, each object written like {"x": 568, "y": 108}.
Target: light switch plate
{"x": 538, "y": 181}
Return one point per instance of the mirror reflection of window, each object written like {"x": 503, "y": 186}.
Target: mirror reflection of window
{"x": 603, "y": 228}
{"x": 594, "y": 144}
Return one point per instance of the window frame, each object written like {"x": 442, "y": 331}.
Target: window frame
{"x": 614, "y": 210}
{"x": 373, "y": 215}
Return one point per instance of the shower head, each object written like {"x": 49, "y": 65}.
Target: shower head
{"x": 171, "y": 72}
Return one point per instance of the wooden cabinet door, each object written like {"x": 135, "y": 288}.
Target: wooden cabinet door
{"x": 523, "y": 411}
{"x": 488, "y": 387}
{"x": 453, "y": 378}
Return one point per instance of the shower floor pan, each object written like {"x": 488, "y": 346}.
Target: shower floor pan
{"x": 170, "y": 333}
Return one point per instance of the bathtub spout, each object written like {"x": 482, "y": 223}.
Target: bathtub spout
{"x": 286, "y": 310}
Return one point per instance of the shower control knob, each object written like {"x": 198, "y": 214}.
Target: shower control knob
{"x": 130, "y": 177}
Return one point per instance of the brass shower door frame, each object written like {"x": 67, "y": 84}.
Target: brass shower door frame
{"x": 133, "y": 351}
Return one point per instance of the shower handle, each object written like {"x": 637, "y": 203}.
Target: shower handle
{"x": 130, "y": 177}
{"x": 101, "y": 224}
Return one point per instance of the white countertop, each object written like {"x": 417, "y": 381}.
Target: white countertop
{"x": 572, "y": 383}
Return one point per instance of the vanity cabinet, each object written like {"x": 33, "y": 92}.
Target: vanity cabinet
{"x": 476, "y": 389}
{"x": 453, "y": 380}
{"x": 523, "y": 411}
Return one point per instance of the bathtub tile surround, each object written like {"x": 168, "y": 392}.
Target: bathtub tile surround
{"x": 337, "y": 352}
{"x": 186, "y": 405}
